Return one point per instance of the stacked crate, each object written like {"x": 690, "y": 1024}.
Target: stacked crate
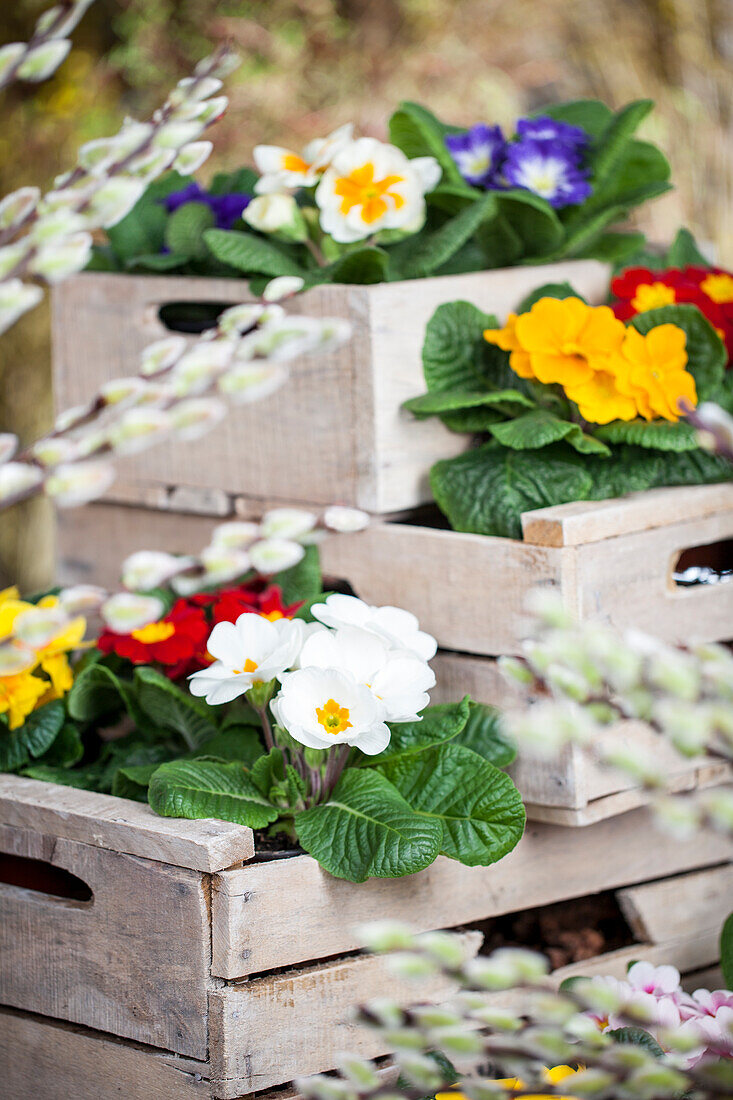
{"x": 144, "y": 956}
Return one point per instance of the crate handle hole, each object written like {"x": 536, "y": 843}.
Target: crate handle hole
{"x": 191, "y": 318}
{"x": 44, "y": 878}
{"x": 703, "y": 565}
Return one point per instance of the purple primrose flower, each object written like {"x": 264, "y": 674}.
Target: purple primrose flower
{"x": 478, "y": 153}
{"x": 544, "y": 128}
{"x": 548, "y": 169}
{"x": 225, "y": 208}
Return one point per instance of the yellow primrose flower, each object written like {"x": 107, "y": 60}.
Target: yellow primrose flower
{"x": 51, "y": 657}
{"x": 651, "y": 370}
{"x": 553, "y": 1076}
{"x": 19, "y": 695}
{"x": 506, "y": 339}
{"x": 600, "y": 401}
{"x": 568, "y": 340}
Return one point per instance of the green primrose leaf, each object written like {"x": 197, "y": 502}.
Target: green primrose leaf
{"x": 661, "y": 435}
{"x": 65, "y": 750}
{"x": 133, "y": 781}
{"x": 33, "y": 738}
{"x": 549, "y": 290}
{"x": 366, "y": 266}
{"x": 367, "y": 829}
{"x": 683, "y": 252}
{"x": 437, "y": 724}
{"x": 184, "y": 231}
{"x": 418, "y": 133}
{"x": 433, "y": 404}
{"x": 453, "y": 349}
{"x": 199, "y": 788}
{"x": 532, "y": 220}
{"x": 478, "y": 806}
{"x": 637, "y": 1036}
{"x": 172, "y": 708}
{"x": 484, "y": 734}
{"x": 436, "y": 248}
{"x": 142, "y": 231}
{"x": 591, "y": 115}
{"x": 251, "y": 254}
{"x": 303, "y": 581}
{"x": 540, "y": 428}
{"x": 726, "y": 951}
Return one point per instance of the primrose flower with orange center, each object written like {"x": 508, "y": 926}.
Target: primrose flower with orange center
{"x": 651, "y": 370}
{"x": 370, "y": 185}
{"x": 282, "y": 169}
{"x": 324, "y": 707}
{"x": 252, "y": 651}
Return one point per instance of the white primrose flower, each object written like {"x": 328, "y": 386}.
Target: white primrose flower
{"x": 276, "y": 213}
{"x": 148, "y": 569}
{"x": 281, "y": 169}
{"x": 251, "y": 651}
{"x": 400, "y": 628}
{"x": 398, "y": 680}
{"x": 323, "y": 707}
{"x": 371, "y": 185}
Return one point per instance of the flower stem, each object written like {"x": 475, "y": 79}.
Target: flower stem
{"x": 266, "y": 727}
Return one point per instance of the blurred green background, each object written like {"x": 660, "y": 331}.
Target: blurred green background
{"x": 310, "y": 65}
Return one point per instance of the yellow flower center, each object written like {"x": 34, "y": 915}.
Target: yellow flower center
{"x": 153, "y": 632}
{"x": 273, "y": 616}
{"x": 248, "y": 666}
{"x": 361, "y": 189}
{"x": 652, "y": 295}
{"x": 333, "y": 718}
{"x": 291, "y": 162}
{"x": 718, "y": 287}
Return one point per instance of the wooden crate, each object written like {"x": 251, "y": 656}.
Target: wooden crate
{"x": 336, "y": 433}
{"x": 278, "y": 971}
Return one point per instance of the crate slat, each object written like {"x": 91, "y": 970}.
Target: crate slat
{"x": 677, "y": 908}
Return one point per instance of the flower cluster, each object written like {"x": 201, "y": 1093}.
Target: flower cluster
{"x": 178, "y": 394}
{"x": 544, "y": 156}
{"x": 226, "y": 208}
{"x": 505, "y": 1052}
{"x": 47, "y": 238}
{"x": 703, "y": 1020}
{"x": 585, "y": 676}
{"x": 709, "y": 288}
{"x": 37, "y": 60}
{"x": 609, "y": 371}
{"x": 35, "y": 641}
{"x": 362, "y": 186}
{"x": 341, "y": 678}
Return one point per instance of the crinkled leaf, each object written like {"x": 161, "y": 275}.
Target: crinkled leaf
{"x": 438, "y": 723}
{"x": 706, "y": 354}
{"x": 133, "y": 781}
{"x": 683, "y": 252}
{"x": 418, "y": 133}
{"x": 533, "y": 221}
{"x": 726, "y": 951}
{"x": 487, "y": 489}
{"x": 367, "y": 829}
{"x": 251, "y": 254}
{"x": 303, "y": 581}
{"x": 436, "y": 248}
{"x": 638, "y": 1037}
{"x": 485, "y": 735}
{"x": 98, "y": 695}
{"x": 365, "y": 266}
{"x": 613, "y": 248}
{"x": 614, "y": 139}
{"x": 239, "y": 182}
{"x": 453, "y": 350}
{"x": 661, "y": 435}
{"x": 65, "y": 750}
{"x": 478, "y": 806}
{"x": 549, "y": 290}
{"x": 161, "y": 261}
{"x": 591, "y": 115}
{"x": 172, "y": 708}
{"x": 268, "y": 770}
{"x": 447, "y": 401}
{"x": 184, "y": 231}
{"x": 540, "y": 428}
{"x": 234, "y": 743}
{"x": 201, "y": 788}
{"x": 33, "y": 738}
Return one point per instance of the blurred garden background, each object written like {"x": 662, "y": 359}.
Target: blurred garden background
{"x": 310, "y": 65}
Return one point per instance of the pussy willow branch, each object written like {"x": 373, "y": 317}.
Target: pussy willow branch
{"x": 722, "y": 444}
{"x": 11, "y": 73}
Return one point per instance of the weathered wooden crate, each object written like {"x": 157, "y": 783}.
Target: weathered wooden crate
{"x": 337, "y": 432}
{"x": 184, "y": 976}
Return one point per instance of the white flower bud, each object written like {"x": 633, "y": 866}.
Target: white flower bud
{"x": 239, "y": 319}
{"x": 490, "y": 973}
{"x": 345, "y": 520}
{"x": 59, "y": 259}
{"x": 498, "y": 1019}
{"x": 192, "y": 156}
{"x": 55, "y": 226}
{"x": 8, "y": 446}
{"x": 443, "y": 948}
{"x": 42, "y": 61}
{"x": 287, "y": 523}
{"x": 54, "y": 450}
{"x": 99, "y": 155}
{"x": 547, "y": 606}
{"x": 192, "y": 419}
{"x": 194, "y": 373}
{"x": 151, "y": 164}
{"x": 39, "y": 626}
{"x": 456, "y": 1041}
{"x": 222, "y": 64}
{"x": 284, "y": 286}
{"x": 122, "y": 391}
{"x": 334, "y": 332}
{"x": 63, "y": 28}
{"x": 16, "y": 298}
{"x": 675, "y": 673}
{"x": 139, "y": 428}
{"x": 77, "y": 483}
{"x": 529, "y": 966}
{"x": 237, "y": 535}
{"x": 18, "y": 205}
{"x": 192, "y": 89}
{"x": 515, "y": 670}
{"x": 325, "y": 1088}
{"x": 187, "y": 584}
{"x": 175, "y": 134}
{"x": 278, "y": 215}
{"x": 12, "y": 255}
{"x": 284, "y": 339}
{"x": 203, "y": 112}
{"x": 635, "y": 762}
{"x": 718, "y": 804}
{"x": 385, "y": 935}
{"x": 9, "y": 56}
{"x": 420, "y": 1070}
{"x": 406, "y": 964}
{"x": 82, "y": 598}
{"x": 17, "y": 479}
{"x": 148, "y": 569}
{"x": 249, "y": 382}
{"x": 162, "y": 354}
{"x": 221, "y": 564}
{"x": 275, "y": 555}
{"x": 69, "y": 418}
{"x": 125, "y": 612}
{"x": 15, "y": 659}
{"x": 688, "y": 726}
{"x": 358, "y": 1072}
{"x": 432, "y": 1016}
{"x": 112, "y": 201}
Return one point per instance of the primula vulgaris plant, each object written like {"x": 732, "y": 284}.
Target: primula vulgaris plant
{"x": 511, "y": 1034}
{"x": 433, "y": 201}
{"x": 570, "y": 401}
